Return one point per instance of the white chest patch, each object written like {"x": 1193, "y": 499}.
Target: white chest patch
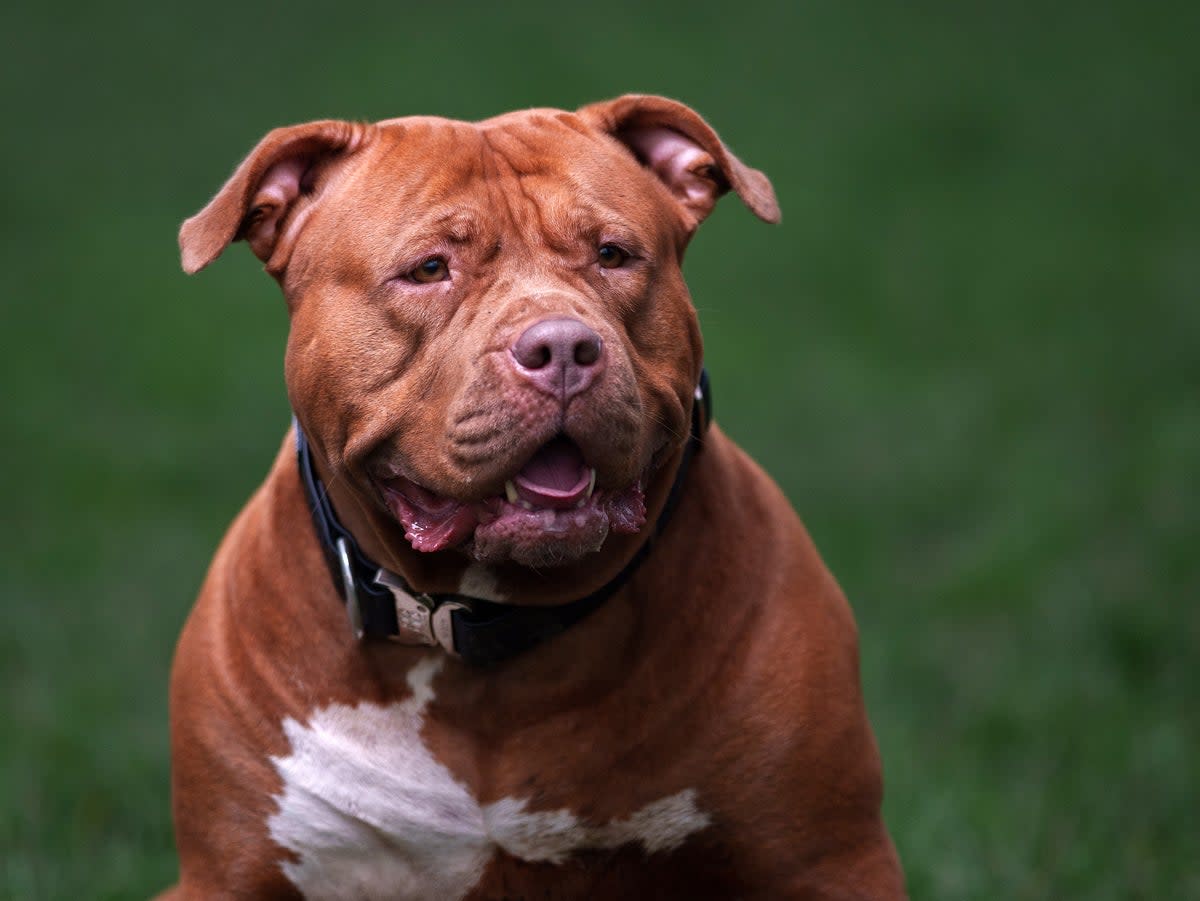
{"x": 372, "y": 814}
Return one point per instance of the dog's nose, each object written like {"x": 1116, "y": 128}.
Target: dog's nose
{"x": 560, "y": 356}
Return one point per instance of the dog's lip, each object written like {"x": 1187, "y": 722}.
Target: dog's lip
{"x": 434, "y": 523}
{"x": 553, "y": 484}
{"x": 556, "y": 475}
{"x": 430, "y": 522}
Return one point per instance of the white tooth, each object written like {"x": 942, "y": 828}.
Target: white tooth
{"x": 525, "y": 504}
{"x": 510, "y": 491}
{"x": 591, "y": 486}
{"x": 582, "y": 502}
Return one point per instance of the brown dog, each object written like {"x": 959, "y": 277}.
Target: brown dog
{"x": 591, "y": 651}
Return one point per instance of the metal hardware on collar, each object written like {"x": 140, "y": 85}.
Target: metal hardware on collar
{"x": 443, "y": 624}
{"x": 353, "y": 608}
{"x": 381, "y": 605}
{"x": 702, "y": 408}
{"x": 420, "y": 619}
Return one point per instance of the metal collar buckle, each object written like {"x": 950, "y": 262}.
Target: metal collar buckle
{"x": 421, "y": 619}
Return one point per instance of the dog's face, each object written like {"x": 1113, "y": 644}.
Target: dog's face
{"x": 497, "y": 375}
{"x": 491, "y": 339}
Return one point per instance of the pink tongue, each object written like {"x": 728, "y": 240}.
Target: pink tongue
{"x": 556, "y": 477}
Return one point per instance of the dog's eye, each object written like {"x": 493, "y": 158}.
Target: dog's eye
{"x": 611, "y": 256}
{"x": 434, "y": 269}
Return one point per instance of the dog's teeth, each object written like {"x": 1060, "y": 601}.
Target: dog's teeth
{"x": 510, "y": 491}
{"x": 582, "y": 503}
{"x": 525, "y": 504}
{"x": 591, "y": 487}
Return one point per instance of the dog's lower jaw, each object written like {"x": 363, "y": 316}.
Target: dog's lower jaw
{"x": 544, "y": 552}
{"x": 497, "y": 530}
{"x": 542, "y": 538}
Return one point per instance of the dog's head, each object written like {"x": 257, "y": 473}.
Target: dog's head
{"x": 492, "y": 348}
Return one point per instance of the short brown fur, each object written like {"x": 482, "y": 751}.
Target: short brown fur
{"x": 728, "y": 663}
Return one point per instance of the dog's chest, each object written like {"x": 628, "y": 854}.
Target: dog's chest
{"x": 369, "y": 812}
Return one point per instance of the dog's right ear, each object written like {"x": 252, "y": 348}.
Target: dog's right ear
{"x": 261, "y": 201}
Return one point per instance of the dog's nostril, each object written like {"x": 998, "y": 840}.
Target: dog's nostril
{"x": 587, "y": 351}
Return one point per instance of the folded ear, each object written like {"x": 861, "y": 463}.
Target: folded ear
{"x": 684, "y": 152}
{"x": 257, "y": 202}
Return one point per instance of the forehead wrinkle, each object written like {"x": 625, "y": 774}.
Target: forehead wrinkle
{"x": 436, "y": 159}
{"x": 602, "y": 198}
{"x": 585, "y": 220}
{"x": 430, "y": 172}
{"x": 457, "y": 224}
{"x": 534, "y": 181}
{"x": 506, "y": 189}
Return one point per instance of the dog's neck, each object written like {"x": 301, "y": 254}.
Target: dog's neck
{"x": 487, "y": 617}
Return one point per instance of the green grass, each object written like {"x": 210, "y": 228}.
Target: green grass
{"x": 971, "y": 355}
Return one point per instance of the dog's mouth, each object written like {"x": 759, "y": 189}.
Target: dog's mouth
{"x": 551, "y": 511}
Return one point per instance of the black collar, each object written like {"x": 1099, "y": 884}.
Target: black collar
{"x": 381, "y": 604}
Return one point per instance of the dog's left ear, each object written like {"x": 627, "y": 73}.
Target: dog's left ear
{"x": 674, "y": 142}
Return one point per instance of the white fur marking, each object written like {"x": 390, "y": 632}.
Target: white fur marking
{"x": 479, "y": 581}
{"x": 551, "y": 836}
{"x": 371, "y": 813}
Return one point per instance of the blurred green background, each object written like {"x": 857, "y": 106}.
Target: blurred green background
{"x": 971, "y": 355}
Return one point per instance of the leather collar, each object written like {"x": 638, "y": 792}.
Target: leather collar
{"x": 382, "y": 605}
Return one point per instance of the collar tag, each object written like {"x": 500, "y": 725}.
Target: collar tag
{"x": 420, "y": 619}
